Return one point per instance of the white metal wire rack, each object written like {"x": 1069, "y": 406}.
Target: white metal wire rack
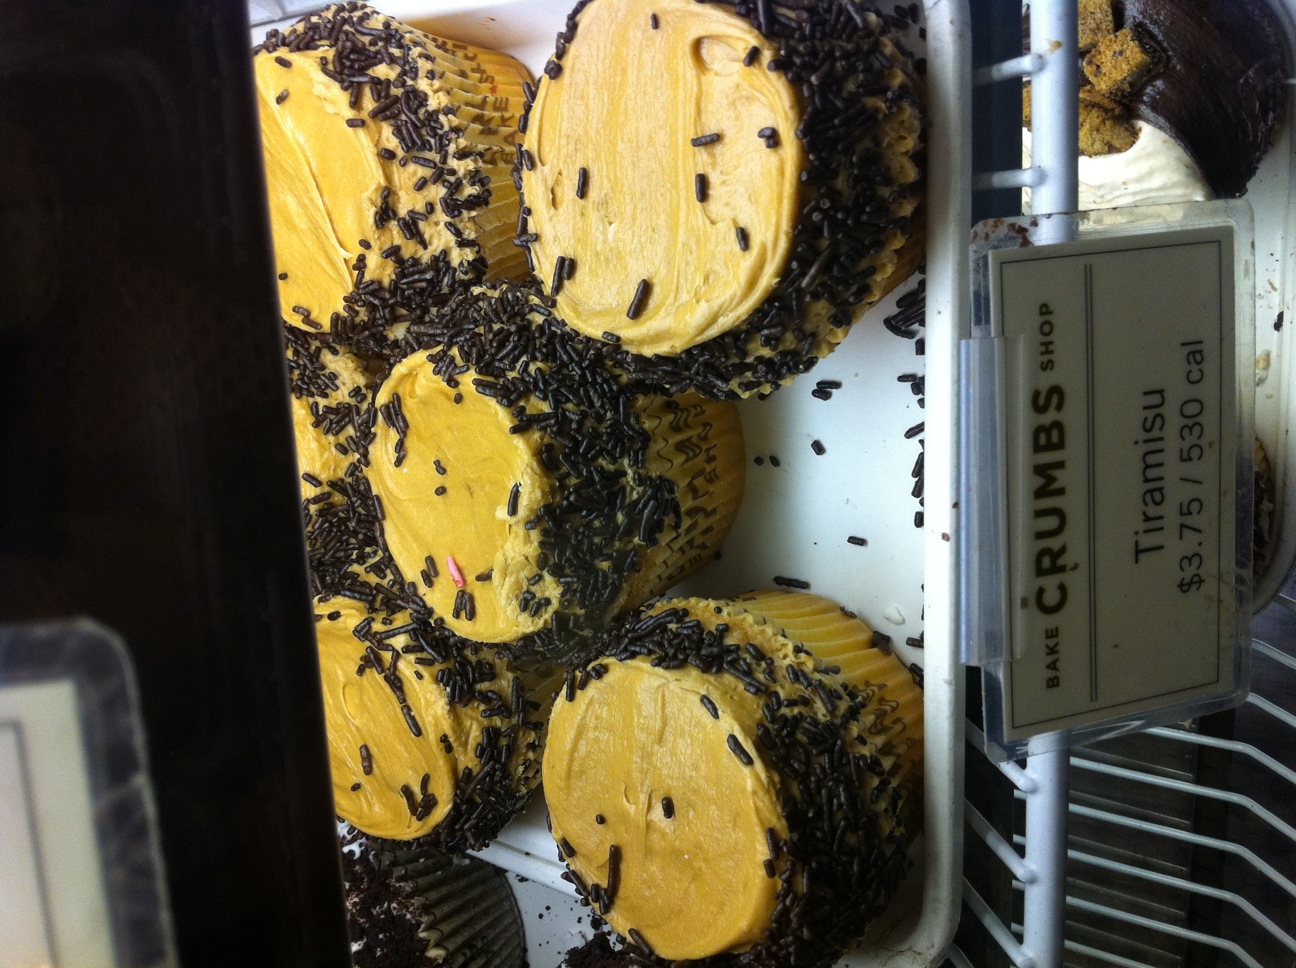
{"x": 1172, "y": 847}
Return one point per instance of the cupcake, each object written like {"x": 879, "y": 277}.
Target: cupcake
{"x": 525, "y": 492}
{"x": 388, "y": 157}
{"x": 430, "y": 738}
{"x": 407, "y": 909}
{"x": 753, "y": 186}
{"x": 737, "y": 777}
{"x": 331, "y": 400}
{"x": 330, "y": 393}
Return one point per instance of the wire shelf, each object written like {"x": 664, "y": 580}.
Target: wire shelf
{"x": 1171, "y": 847}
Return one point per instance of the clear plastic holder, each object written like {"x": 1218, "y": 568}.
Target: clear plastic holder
{"x": 82, "y": 879}
{"x": 1106, "y": 471}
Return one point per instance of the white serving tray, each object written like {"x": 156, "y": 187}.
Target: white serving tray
{"x": 798, "y": 514}
{"x": 800, "y": 506}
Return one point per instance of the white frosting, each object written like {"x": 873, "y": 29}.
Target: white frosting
{"x": 1155, "y": 170}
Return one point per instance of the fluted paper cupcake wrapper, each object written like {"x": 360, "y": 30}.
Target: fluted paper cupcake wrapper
{"x": 479, "y": 66}
{"x": 480, "y": 63}
{"x": 470, "y": 916}
{"x": 697, "y": 443}
{"x": 894, "y": 723}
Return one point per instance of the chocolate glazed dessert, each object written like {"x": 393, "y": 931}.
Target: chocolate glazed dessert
{"x": 1221, "y": 92}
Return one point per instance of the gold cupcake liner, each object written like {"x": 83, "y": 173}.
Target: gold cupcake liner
{"x": 698, "y": 444}
{"x": 893, "y": 725}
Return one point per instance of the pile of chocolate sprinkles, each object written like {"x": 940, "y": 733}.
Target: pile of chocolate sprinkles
{"x": 353, "y": 40}
{"x": 908, "y": 320}
{"x": 835, "y": 872}
{"x": 607, "y": 508}
{"x": 829, "y": 50}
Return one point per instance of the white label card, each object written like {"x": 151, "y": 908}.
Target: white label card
{"x": 1121, "y": 474}
{"x": 53, "y": 906}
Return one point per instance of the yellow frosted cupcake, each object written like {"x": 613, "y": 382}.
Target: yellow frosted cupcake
{"x": 388, "y": 159}
{"x": 332, "y": 415}
{"x": 752, "y": 186}
{"x": 429, "y": 736}
{"x": 715, "y": 786}
{"x": 526, "y": 491}
{"x": 330, "y": 392}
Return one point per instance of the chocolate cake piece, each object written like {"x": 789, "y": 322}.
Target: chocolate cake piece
{"x": 1222, "y": 89}
{"x": 1104, "y": 124}
{"x": 1123, "y": 62}
{"x": 1095, "y": 22}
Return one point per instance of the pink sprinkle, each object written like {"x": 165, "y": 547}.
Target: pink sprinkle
{"x": 455, "y": 573}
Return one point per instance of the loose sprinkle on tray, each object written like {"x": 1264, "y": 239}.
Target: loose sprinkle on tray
{"x": 791, "y": 582}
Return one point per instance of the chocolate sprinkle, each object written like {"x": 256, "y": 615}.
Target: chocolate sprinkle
{"x": 738, "y": 750}
{"x": 791, "y": 582}
{"x": 638, "y": 300}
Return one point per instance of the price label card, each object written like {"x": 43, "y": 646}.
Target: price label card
{"x": 1125, "y": 487}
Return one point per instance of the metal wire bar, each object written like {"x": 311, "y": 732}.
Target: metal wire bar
{"x": 1197, "y": 789}
{"x": 1198, "y": 840}
{"x": 1268, "y": 651}
{"x": 1019, "y": 956}
{"x": 1014, "y": 69}
{"x": 1018, "y": 776}
{"x": 1274, "y": 710}
{"x": 1105, "y": 956}
{"x": 1232, "y": 745}
{"x": 1011, "y": 178}
{"x": 1153, "y": 925}
{"x": 999, "y": 844}
{"x": 958, "y": 958}
{"x": 1182, "y": 884}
